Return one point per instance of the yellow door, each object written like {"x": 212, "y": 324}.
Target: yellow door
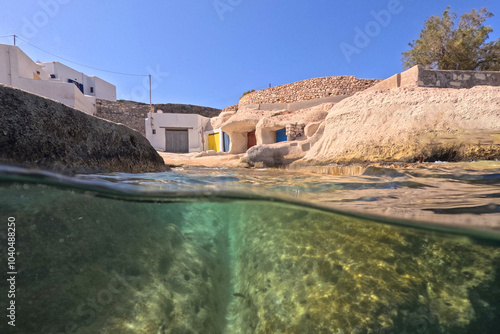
{"x": 213, "y": 142}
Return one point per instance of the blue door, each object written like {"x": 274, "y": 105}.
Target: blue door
{"x": 227, "y": 142}
{"x": 281, "y": 135}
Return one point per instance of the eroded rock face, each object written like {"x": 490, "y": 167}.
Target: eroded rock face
{"x": 280, "y": 154}
{"x": 41, "y": 133}
{"x": 266, "y": 122}
{"x": 216, "y": 122}
{"x": 404, "y": 123}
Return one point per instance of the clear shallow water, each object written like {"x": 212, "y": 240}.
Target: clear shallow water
{"x": 463, "y": 194}
{"x": 249, "y": 251}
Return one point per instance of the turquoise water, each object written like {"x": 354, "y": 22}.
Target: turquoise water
{"x": 240, "y": 251}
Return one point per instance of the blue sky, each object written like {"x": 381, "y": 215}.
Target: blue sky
{"x": 208, "y": 52}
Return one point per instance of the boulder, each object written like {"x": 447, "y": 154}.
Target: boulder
{"x": 41, "y": 133}
{"x": 404, "y": 124}
{"x": 268, "y": 155}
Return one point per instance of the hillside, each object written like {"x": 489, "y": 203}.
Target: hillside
{"x": 132, "y": 114}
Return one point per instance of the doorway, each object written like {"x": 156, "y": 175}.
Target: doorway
{"x": 176, "y": 141}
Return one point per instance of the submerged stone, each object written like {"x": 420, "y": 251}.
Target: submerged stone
{"x": 336, "y": 274}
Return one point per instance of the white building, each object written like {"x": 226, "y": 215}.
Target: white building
{"x": 51, "y": 80}
{"x": 92, "y": 86}
{"x": 176, "y": 133}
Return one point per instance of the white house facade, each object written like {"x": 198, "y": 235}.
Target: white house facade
{"x": 176, "y": 133}
{"x": 88, "y": 85}
{"x": 51, "y": 80}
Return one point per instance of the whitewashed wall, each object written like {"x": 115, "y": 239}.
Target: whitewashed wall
{"x": 192, "y": 122}
{"x": 18, "y": 70}
{"x": 101, "y": 88}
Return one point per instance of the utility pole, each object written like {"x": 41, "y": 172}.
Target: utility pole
{"x": 14, "y": 40}
{"x": 150, "y": 101}
{"x": 151, "y": 108}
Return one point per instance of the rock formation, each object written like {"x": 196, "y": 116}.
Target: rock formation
{"x": 42, "y": 133}
{"x": 417, "y": 115}
{"x": 281, "y": 154}
{"x": 266, "y": 122}
{"x": 405, "y": 123}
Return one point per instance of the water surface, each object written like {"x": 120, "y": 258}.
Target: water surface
{"x": 254, "y": 251}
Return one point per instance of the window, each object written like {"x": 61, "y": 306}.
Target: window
{"x": 154, "y": 131}
{"x": 91, "y": 89}
{"x": 38, "y": 72}
{"x": 52, "y": 76}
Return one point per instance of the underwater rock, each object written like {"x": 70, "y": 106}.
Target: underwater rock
{"x": 92, "y": 261}
{"x": 94, "y": 265}
{"x": 41, "y": 133}
{"x": 323, "y": 273}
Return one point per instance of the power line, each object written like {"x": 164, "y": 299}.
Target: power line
{"x": 70, "y": 61}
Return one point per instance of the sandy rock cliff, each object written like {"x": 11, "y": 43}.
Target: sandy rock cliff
{"x": 270, "y": 154}
{"x": 404, "y": 123}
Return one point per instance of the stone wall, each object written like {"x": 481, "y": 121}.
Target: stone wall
{"x": 457, "y": 79}
{"x": 308, "y": 90}
{"x": 133, "y": 114}
{"x": 294, "y": 131}
{"x": 418, "y": 76}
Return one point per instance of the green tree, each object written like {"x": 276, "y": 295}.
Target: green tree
{"x": 444, "y": 45}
